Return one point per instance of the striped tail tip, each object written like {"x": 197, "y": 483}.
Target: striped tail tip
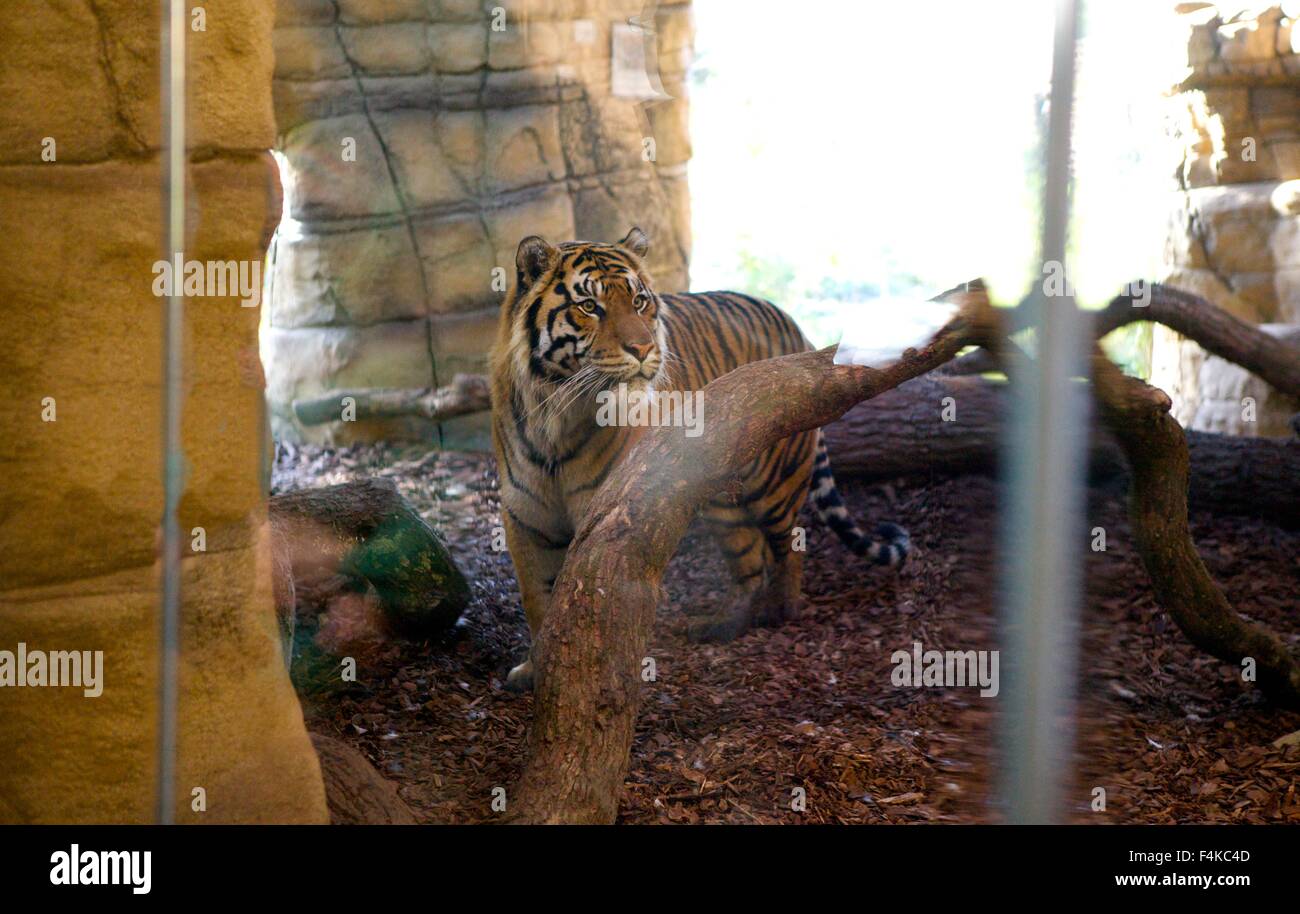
{"x": 890, "y": 547}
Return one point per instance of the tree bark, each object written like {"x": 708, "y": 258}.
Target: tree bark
{"x": 1157, "y": 453}
{"x": 356, "y": 793}
{"x": 902, "y": 434}
{"x": 1276, "y": 361}
{"x": 364, "y": 533}
{"x": 589, "y": 652}
{"x": 467, "y": 393}
{"x": 590, "y": 649}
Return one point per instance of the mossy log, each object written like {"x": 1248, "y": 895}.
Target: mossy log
{"x": 364, "y": 534}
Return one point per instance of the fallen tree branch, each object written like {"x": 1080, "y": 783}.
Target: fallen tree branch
{"x": 901, "y": 434}
{"x": 1276, "y": 361}
{"x": 590, "y": 649}
{"x": 467, "y": 393}
{"x": 1157, "y": 454}
{"x": 357, "y": 794}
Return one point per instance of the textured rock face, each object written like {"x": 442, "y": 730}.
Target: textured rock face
{"x": 80, "y": 437}
{"x": 1235, "y": 230}
{"x": 422, "y": 140}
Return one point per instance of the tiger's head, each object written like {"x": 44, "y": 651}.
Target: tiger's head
{"x": 584, "y": 315}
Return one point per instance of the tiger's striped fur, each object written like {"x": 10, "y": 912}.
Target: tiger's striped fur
{"x": 583, "y": 317}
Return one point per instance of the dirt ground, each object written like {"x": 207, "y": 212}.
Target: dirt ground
{"x": 727, "y": 732}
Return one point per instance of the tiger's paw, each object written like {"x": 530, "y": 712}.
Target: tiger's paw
{"x": 777, "y": 611}
{"x": 520, "y": 678}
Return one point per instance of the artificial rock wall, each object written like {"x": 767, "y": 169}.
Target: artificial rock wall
{"x": 1235, "y": 228}
{"x": 80, "y": 434}
{"x": 422, "y": 140}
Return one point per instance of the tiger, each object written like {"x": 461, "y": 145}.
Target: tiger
{"x": 582, "y": 317}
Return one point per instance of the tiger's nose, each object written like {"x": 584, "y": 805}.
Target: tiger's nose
{"x": 640, "y": 350}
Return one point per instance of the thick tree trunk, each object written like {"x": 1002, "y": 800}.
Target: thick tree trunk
{"x": 904, "y": 433}
{"x": 361, "y": 533}
{"x": 590, "y": 650}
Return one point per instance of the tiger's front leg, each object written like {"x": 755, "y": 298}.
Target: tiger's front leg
{"x": 537, "y": 555}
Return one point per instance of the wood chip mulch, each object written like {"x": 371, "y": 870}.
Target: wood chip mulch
{"x": 740, "y": 732}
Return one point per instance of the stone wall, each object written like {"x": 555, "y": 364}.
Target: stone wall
{"x": 80, "y": 435}
{"x": 1235, "y": 225}
{"x": 474, "y": 124}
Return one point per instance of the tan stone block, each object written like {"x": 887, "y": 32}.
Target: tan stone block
{"x": 1229, "y": 104}
{"x": 523, "y": 148}
{"x": 535, "y": 10}
{"x": 1284, "y": 243}
{"x": 425, "y": 174}
{"x": 229, "y": 67}
{"x": 1258, "y": 290}
{"x": 1200, "y": 171}
{"x": 368, "y": 12}
{"x": 1288, "y": 38}
{"x": 304, "y": 12}
{"x": 524, "y": 44}
{"x": 324, "y": 186}
{"x": 303, "y": 52}
{"x": 1286, "y": 155}
{"x": 1238, "y": 221}
{"x": 104, "y": 371}
{"x": 462, "y": 341}
{"x": 459, "y": 134}
{"x": 1183, "y": 247}
{"x": 299, "y": 101}
{"x": 677, "y": 189}
{"x": 357, "y": 277}
{"x": 458, "y": 261}
{"x": 457, "y": 10}
{"x": 1201, "y": 30}
{"x": 459, "y": 48}
{"x": 672, "y": 133}
{"x": 674, "y": 29}
{"x": 1249, "y": 41}
{"x": 1287, "y": 285}
{"x": 43, "y": 44}
{"x": 392, "y": 49}
{"x": 1235, "y": 402}
{"x": 583, "y": 40}
{"x": 1208, "y": 285}
{"x": 251, "y": 757}
{"x": 88, "y": 76}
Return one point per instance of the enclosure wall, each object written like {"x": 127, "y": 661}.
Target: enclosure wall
{"x": 80, "y": 442}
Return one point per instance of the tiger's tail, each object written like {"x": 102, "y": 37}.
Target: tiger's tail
{"x": 891, "y": 543}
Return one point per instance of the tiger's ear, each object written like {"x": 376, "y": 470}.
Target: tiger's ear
{"x": 533, "y": 259}
{"x": 636, "y": 242}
